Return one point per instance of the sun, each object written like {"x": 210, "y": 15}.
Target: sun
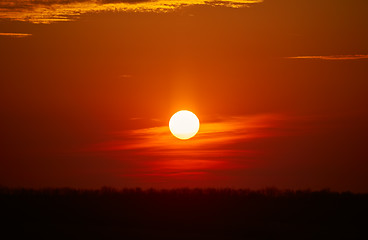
{"x": 184, "y": 124}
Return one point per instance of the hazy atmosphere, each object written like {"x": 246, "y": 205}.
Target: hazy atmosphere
{"x": 280, "y": 87}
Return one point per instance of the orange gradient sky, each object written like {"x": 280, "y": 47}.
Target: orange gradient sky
{"x": 88, "y": 88}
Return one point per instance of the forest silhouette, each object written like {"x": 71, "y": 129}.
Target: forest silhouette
{"x": 108, "y": 213}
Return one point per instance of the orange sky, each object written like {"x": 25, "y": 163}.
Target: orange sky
{"x": 88, "y": 87}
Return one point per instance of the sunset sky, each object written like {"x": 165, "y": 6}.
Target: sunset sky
{"x": 87, "y": 88}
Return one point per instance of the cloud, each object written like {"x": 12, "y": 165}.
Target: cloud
{"x": 16, "y": 35}
{"x": 334, "y": 57}
{"x": 211, "y": 134}
{"x": 224, "y": 144}
{"x": 48, "y": 11}
{"x": 125, "y": 76}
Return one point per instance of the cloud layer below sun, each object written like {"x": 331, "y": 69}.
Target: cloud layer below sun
{"x": 48, "y": 11}
{"x": 224, "y": 144}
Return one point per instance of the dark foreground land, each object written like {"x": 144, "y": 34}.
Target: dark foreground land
{"x": 182, "y": 214}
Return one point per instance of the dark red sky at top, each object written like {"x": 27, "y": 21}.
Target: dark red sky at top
{"x": 280, "y": 88}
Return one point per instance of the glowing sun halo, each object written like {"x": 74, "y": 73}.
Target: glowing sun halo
{"x": 184, "y": 124}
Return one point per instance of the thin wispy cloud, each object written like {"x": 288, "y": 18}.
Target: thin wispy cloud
{"x": 48, "y": 11}
{"x": 210, "y": 134}
{"x": 218, "y": 145}
{"x": 15, "y": 35}
{"x": 334, "y": 57}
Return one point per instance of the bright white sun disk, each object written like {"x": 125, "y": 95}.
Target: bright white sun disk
{"x": 184, "y": 124}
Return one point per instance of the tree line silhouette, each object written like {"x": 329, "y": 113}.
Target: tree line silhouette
{"x": 183, "y": 213}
